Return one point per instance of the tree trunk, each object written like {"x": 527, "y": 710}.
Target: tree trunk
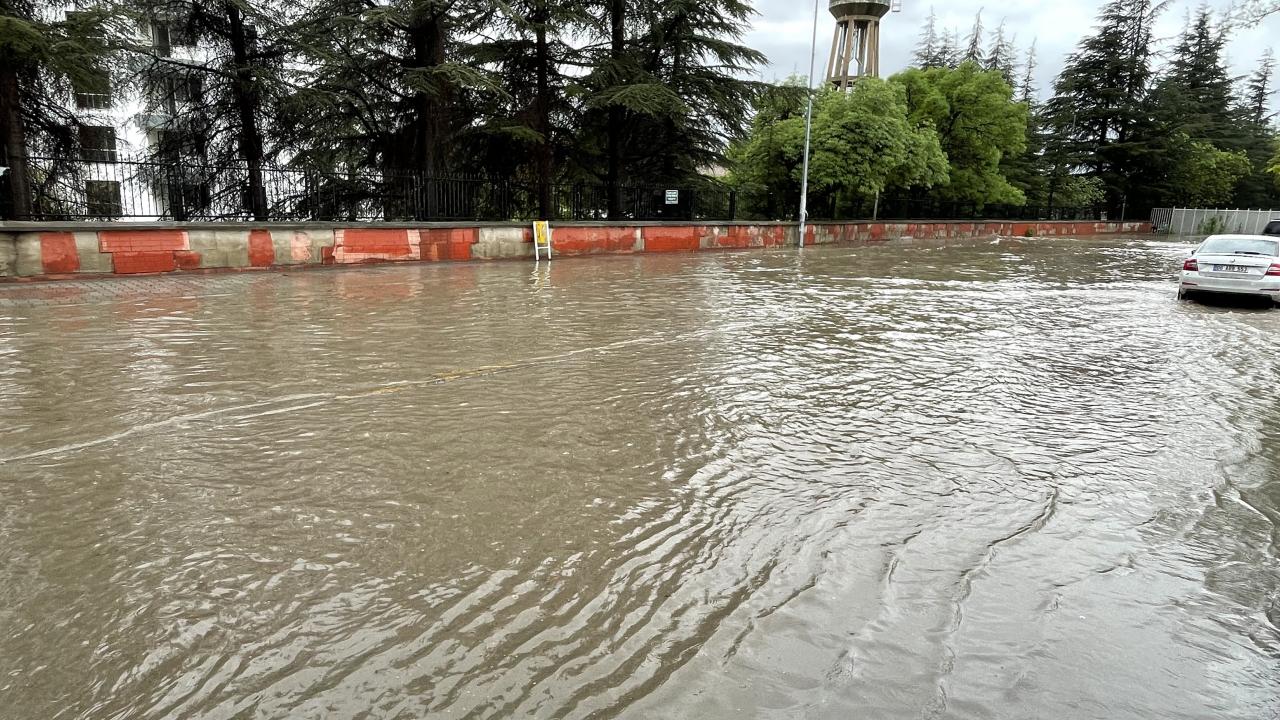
{"x": 245, "y": 94}
{"x": 546, "y": 150}
{"x": 617, "y": 116}
{"x": 430, "y": 124}
{"x": 14, "y": 136}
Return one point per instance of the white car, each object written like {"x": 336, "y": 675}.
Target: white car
{"x": 1233, "y": 265}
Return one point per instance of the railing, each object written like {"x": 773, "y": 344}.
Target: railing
{"x": 1206, "y": 221}
{"x": 96, "y": 187}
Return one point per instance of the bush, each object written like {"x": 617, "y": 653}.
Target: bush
{"x": 1213, "y": 225}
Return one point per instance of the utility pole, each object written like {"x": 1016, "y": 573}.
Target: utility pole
{"x": 808, "y": 128}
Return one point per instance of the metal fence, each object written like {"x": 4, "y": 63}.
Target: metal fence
{"x": 106, "y": 187}
{"x": 1203, "y": 221}
{"x": 114, "y": 189}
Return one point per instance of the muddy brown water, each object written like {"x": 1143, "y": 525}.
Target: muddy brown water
{"x": 1007, "y": 481}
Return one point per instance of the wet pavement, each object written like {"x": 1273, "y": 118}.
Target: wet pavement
{"x": 1008, "y": 481}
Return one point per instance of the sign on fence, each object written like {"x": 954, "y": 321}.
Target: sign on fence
{"x": 673, "y": 197}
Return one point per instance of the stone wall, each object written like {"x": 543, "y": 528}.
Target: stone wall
{"x": 34, "y": 250}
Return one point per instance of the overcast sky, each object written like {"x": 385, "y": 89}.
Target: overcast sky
{"x": 783, "y": 29}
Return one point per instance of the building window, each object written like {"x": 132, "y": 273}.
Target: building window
{"x": 160, "y": 42}
{"x": 94, "y": 93}
{"x": 103, "y": 198}
{"x": 177, "y": 145}
{"x": 98, "y": 143}
{"x": 167, "y": 34}
{"x": 174, "y": 93}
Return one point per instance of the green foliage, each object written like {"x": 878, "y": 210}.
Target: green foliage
{"x": 1206, "y": 175}
{"x": 978, "y": 125}
{"x": 1098, "y": 108}
{"x": 863, "y": 144}
{"x": 1213, "y": 225}
{"x": 1080, "y": 191}
{"x": 1273, "y": 165}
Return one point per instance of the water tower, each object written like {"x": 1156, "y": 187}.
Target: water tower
{"x": 855, "y": 50}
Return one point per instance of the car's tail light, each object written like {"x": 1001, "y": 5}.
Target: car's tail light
{"x": 1274, "y": 271}
{"x": 1191, "y": 265}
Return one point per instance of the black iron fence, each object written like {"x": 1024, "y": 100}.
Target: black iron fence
{"x": 111, "y": 188}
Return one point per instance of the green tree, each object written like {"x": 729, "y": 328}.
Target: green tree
{"x": 1095, "y": 117}
{"x": 928, "y": 52}
{"x": 1257, "y": 189}
{"x": 1205, "y": 175}
{"x": 43, "y": 59}
{"x": 387, "y": 89}
{"x": 666, "y": 91}
{"x": 973, "y": 50}
{"x": 1194, "y": 95}
{"x": 863, "y": 144}
{"x": 531, "y": 123}
{"x": 978, "y": 124}
{"x": 1001, "y": 55}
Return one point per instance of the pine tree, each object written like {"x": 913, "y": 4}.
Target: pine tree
{"x": 390, "y": 94}
{"x": 949, "y": 51}
{"x": 1258, "y": 189}
{"x": 927, "y": 52}
{"x": 44, "y": 59}
{"x": 682, "y": 88}
{"x": 974, "y": 51}
{"x": 1099, "y": 107}
{"x": 533, "y": 118}
{"x": 1027, "y": 90}
{"x": 1194, "y": 96}
{"x": 1260, "y": 89}
{"x": 1000, "y": 55}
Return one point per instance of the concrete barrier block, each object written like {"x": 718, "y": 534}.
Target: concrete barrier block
{"x": 92, "y": 260}
{"x": 136, "y": 263}
{"x": 320, "y": 245}
{"x": 593, "y": 240}
{"x": 300, "y": 247}
{"x": 262, "y": 251}
{"x": 29, "y": 261}
{"x": 58, "y": 253}
{"x": 220, "y": 248}
{"x": 502, "y": 243}
{"x": 664, "y": 239}
{"x": 8, "y": 254}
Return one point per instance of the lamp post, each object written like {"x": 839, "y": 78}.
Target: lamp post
{"x": 808, "y": 127}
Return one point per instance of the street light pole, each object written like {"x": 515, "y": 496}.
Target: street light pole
{"x": 808, "y": 127}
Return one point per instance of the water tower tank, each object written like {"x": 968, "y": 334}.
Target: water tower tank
{"x": 855, "y": 49}
{"x": 844, "y": 8}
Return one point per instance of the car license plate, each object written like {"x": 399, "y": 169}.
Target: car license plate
{"x": 1230, "y": 269}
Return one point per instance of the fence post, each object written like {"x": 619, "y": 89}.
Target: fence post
{"x": 733, "y": 205}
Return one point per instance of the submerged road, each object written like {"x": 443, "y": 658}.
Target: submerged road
{"x": 1008, "y": 481}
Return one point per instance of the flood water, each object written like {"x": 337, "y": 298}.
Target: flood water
{"x": 1009, "y": 481}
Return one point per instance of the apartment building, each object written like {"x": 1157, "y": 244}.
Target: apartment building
{"x": 126, "y": 122}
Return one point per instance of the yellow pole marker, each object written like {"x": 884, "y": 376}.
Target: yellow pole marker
{"x": 541, "y": 239}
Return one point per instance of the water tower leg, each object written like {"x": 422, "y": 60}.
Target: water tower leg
{"x": 850, "y": 47}
{"x": 835, "y": 56}
{"x": 873, "y": 56}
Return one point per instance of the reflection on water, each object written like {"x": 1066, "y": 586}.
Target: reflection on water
{"x": 1007, "y": 481}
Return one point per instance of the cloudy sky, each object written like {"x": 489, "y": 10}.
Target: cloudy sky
{"x": 783, "y": 30}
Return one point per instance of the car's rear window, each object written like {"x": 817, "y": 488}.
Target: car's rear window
{"x": 1233, "y": 245}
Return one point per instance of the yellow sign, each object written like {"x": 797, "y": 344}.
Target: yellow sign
{"x": 541, "y": 239}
